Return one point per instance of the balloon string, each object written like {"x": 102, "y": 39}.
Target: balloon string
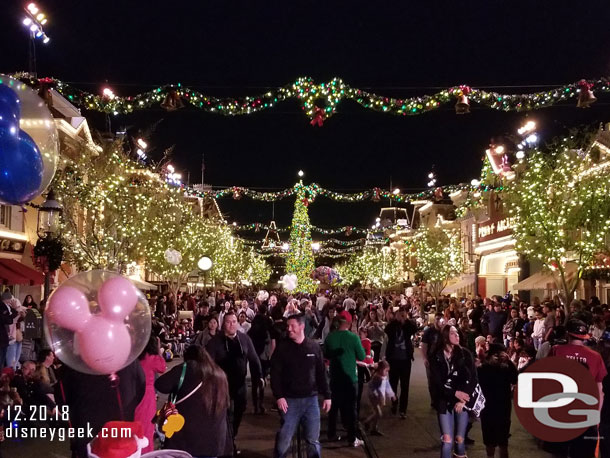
{"x": 63, "y": 399}
{"x": 61, "y": 383}
{"x": 118, "y": 396}
{"x": 115, "y": 382}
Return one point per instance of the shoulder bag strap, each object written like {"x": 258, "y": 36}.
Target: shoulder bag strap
{"x": 173, "y": 396}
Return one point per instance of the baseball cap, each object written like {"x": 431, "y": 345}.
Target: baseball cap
{"x": 577, "y": 329}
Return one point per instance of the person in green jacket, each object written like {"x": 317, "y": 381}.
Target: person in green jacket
{"x": 343, "y": 349}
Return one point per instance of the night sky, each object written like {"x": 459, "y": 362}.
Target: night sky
{"x": 398, "y": 48}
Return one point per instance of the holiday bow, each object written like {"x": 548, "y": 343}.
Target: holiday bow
{"x": 318, "y": 117}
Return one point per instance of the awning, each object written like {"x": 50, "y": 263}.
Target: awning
{"x": 143, "y": 284}
{"x": 14, "y": 273}
{"x": 545, "y": 280}
{"x": 465, "y": 282}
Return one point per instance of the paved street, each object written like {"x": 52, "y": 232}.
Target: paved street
{"x": 418, "y": 435}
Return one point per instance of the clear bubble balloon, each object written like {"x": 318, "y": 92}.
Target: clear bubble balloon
{"x": 97, "y": 322}
{"x": 35, "y": 119}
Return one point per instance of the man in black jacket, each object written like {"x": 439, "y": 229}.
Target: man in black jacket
{"x": 232, "y": 351}
{"x": 399, "y": 354}
{"x": 298, "y": 375}
{"x": 7, "y": 314}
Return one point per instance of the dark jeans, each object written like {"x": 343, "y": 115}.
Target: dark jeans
{"x": 400, "y": 371}
{"x": 237, "y": 408}
{"x": 604, "y": 443}
{"x": 258, "y": 391}
{"x": 376, "y": 347}
{"x": 344, "y": 398}
{"x": 301, "y": 411}
{"x": 361, "y": 382}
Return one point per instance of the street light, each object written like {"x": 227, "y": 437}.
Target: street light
{"x": 108, "y": 93}
{"x": 48, "y": 250}
{"x": 301, "y": 174}
{"x": 205, "y": 264}
{"x": 34, "y": 20}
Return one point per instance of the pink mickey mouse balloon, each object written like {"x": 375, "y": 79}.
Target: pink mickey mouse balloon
{"x": 106, "y": 346}
{"x": 69, "y": 308}
{"x": 117, "y": 297}
{"x": 97, "y": 322}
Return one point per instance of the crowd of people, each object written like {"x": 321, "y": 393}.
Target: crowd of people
{"x": 331, "y": 347}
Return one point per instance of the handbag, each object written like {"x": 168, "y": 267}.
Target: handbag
{"x": 477, "y": 401}
{"x": 167, "y": 419}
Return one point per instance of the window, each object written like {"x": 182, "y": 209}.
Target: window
{"x": 5, "y": 216}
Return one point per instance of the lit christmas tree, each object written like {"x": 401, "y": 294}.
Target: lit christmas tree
{"x": 299, "y": 260}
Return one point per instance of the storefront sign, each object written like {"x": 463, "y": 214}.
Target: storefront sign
{"x": 11, "y": 246}
{"x": 495, "y": 229}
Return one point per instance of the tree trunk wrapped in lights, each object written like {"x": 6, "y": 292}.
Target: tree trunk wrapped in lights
{"x": 299, "y": 260}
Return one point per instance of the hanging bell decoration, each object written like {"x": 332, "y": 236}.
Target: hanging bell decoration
{"x": 376, "y": 194}
{"x": 585, "y": 96}
{"x": 463, "y": 104}
{"x": 172, "y": 101}
{"x": 44, "y": 90}
{"x": 438, "y": 194}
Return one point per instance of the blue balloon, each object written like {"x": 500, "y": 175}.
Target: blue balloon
{"x": 10, "y": 108}
{"x": 21, "y": 163}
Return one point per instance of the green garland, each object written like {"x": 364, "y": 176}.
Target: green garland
{"x": 313, "y": 190}
{"x": 347, "y": 230}
{"x": 48, "y": 254}
{"x": 318, "y": 100}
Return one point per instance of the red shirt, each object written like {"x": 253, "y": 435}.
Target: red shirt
{"x": 583, "y": 355}
{"x": 366, "y": 344}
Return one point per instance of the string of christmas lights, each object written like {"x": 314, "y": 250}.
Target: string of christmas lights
{"x": 347, "y": 230}
{"x": 313, "y": 190}
{"x": 319, "y": 101}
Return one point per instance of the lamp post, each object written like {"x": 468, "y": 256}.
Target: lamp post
{"x": 48, "y": 251}
{"x": 34, "y": 20}
{"x": 205, "y": 264}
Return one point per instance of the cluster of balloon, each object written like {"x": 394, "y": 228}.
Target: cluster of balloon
{"x": 174, "y": 257}
{"x": 290, "y": 282}
{"x": 326, "y": 275}
{"x": 97, "y": 322}
{"x": 262, "y": 295}
{"x": 29, "y": 143}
